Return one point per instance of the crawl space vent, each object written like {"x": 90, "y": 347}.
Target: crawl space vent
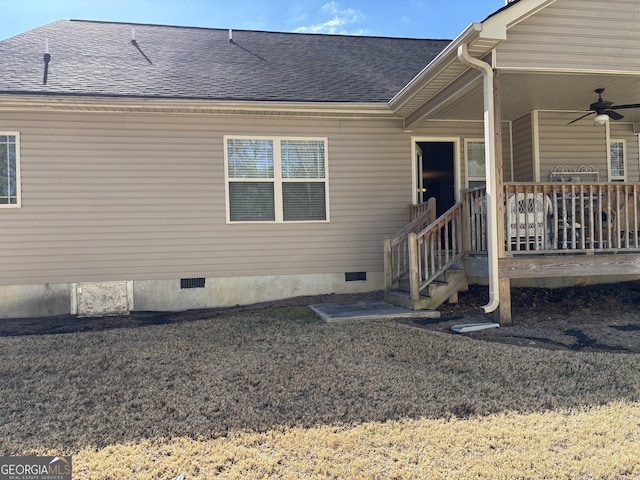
{"x": 355, "y": 277}
{"x": 192, "y": 283}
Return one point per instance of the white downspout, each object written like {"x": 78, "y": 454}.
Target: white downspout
{"x": 490, "y": 166}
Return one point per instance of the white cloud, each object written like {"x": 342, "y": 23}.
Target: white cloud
{"x": 337, "y": 20}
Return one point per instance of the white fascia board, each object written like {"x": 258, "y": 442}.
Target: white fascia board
{"x": 56, "y": 103}
{"x": 442, "y": 60}
{"x": 496, "y": 26}
{"x": 493, "y": 28}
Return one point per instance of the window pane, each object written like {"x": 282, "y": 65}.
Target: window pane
{"x": 8, "y": 186}
{"x": 476, "y": 183}
{"x": 475, "y": 159}
{"x": 250, "y": 158}
{"x": 302, "y": 158}
{"x": 304, "y": 201}
{"x": 617, "y": 159}
{"x": 251, "y": 202}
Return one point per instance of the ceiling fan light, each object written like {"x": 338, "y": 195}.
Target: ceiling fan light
{"x": 601, "y": 119}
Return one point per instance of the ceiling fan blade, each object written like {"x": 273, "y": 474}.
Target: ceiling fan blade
{"x": 613, "y": 115}
{"x": 629, "y": 105}
{"x": 580, "y": 118}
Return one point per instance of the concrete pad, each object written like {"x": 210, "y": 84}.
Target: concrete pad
{"x": 341, "y": 312}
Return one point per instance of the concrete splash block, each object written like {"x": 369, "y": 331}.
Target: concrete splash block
{"x": 473, "y": 327}
{"x": 341, "y": 312}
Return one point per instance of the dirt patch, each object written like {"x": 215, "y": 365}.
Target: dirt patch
{"x": 604, "y": 318}
{"x": 590, "y": 318}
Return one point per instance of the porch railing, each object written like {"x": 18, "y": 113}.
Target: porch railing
{"x": 422, "y": 255}
{"x": 396, "y": 248}
{"x": 559, "y": 217}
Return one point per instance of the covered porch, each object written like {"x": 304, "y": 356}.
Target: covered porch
{"x": 549, "y": 230}
{"x": 553, "y": 90}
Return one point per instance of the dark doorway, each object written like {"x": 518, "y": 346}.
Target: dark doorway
{"x": 436, "y": 178}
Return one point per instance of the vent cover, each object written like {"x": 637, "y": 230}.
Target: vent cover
{"x": 192, "y": 283}
{"x": 355, "y": 277}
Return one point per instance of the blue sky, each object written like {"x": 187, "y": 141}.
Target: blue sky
{"x": 436, "y": 19}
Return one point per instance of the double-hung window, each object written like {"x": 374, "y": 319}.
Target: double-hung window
{"x": 9, "y": 169}
{"x": 276, "y": 179}
{"x": 476, "y": 173}
{"x": 616, "y": 161}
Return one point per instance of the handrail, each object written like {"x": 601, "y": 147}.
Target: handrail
{"x": 396, "y": 247}
{"x": 475, "y": 219}
{"x": 424, "y": 249}
{"x": 436, "y": 248}
{"x": 418, "y": 210}
{"x": 576, "y": 217}
{"x": 579, "y": 217}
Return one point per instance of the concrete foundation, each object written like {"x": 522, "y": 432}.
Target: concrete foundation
{"x": 19, "y": 301}
{"x": 104, "y": 298}
{"x": 166, "y": 295}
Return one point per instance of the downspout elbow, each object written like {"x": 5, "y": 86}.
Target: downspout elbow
{"x": 494, "y": 301}
{"x": 467, "y": 59}
{"x": 490, "y": 155}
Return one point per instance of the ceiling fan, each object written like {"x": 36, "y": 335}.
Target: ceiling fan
{"x": 604, "y": 110}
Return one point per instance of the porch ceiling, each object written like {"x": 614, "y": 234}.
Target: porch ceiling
{"x": 522, "y": 92}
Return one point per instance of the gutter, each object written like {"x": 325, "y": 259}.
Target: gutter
{"x": 490, "y": 166}
{"x": 65, "y": 102}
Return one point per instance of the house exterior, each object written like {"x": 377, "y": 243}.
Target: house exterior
{"x": 151, "y": 167}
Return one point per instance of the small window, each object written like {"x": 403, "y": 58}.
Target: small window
{"x": 617, "y": 164}
{"x": 276, "y": 179}
{"x": 9, "y": 169}
{"x": 474, "y": 154}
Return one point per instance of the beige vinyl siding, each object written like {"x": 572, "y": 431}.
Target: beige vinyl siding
{"x": 506, "y": 152}
{"x": 110, "y": 196}
{"x": 576, "y": 35}
{"x": 624, "y": 131}
{"x": 583, "y": 143}
{"x": 522, "y": 149}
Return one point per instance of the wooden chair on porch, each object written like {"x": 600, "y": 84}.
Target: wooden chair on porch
{"x": 528, "y": 221}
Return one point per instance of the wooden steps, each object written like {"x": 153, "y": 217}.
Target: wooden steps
{"x": 445, "y": 288}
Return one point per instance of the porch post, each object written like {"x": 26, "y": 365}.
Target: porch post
{"x": 388, "y": 265}
{"x": 502, "y": 314}
{"x": 414, "y": 270}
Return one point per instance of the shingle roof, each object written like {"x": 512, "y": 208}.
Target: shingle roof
{"x": 98, "y": 58}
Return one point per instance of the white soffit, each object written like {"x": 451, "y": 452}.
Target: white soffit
{"x": 481, "y": 38}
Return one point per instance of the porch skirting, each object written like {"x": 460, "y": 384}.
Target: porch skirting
{"x": 43, "y": 300}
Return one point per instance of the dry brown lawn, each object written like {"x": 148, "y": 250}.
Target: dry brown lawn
{"x": 277, "y": 393}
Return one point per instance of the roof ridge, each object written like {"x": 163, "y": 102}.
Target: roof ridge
{"x": 221, "y": 29}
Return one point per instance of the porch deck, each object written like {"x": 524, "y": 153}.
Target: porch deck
{"x": 555, "y": 229}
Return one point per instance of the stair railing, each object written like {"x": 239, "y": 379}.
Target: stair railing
{"x": 435, "y": 249}
{"x": 422, "y": 253}
{"x": 396, "y": 248}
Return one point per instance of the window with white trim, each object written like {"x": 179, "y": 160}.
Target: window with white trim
{"x": 9, "y": 169}
{"x": 276, "y": 179}
{"x": 617, "y": 168}
{"x": 474, "y": 154}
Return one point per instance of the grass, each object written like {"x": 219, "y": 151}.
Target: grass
{"x": 279, "y": 394}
